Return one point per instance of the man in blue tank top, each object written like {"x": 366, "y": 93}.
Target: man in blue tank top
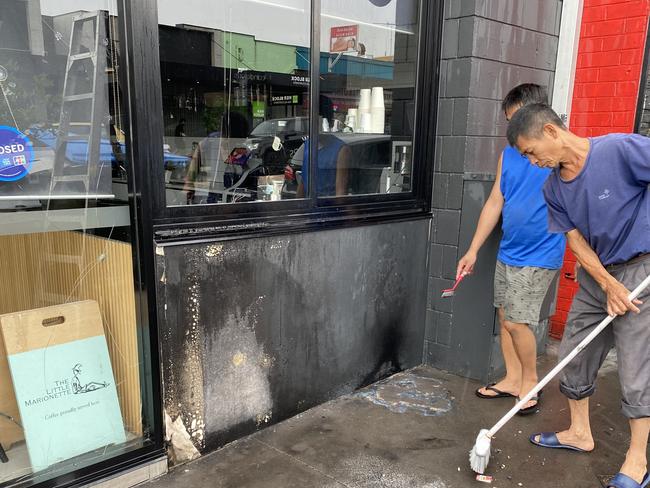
{"x": 528, "y": 259}
{"x": 599, "y": 196}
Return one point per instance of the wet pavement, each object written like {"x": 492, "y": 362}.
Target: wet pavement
{"x": 414, "y": 430}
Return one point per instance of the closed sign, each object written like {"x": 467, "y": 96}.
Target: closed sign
{"x": 16, "y": 154}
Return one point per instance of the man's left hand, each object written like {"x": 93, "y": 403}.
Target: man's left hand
{"x": 618, "y": 302}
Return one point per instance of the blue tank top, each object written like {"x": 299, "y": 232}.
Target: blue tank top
{"x": 328, "y": 152}
{"x": 526, "y": 240}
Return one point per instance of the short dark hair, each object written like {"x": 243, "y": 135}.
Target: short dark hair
{"x": 530, "y": 120}
{"x": 524, "y": 94}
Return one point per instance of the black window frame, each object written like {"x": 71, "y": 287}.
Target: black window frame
{"x": 191, "y": 222}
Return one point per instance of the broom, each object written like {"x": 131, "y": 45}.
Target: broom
{"x": 479, "y": 456}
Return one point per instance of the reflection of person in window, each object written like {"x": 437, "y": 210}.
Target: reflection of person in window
{"x": 180, "y": 129}
{"x": 233, "y": 125}
{"x": 77, "y": 387}
{"x": 333, "y": 159}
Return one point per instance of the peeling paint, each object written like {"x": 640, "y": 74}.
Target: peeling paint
{"x": 213, "y": 250}
{"x": 179, "y": 444}
{"x": 408, "y": 392}
{"x": 238, "y": 359}
{"x": 192, "y": 357}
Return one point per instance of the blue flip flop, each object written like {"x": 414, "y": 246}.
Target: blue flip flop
{"x": 550, "y": 440}
{"x": 624, "y": 481}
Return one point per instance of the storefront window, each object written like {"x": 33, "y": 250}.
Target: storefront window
{"x": 70, "y": 351}
{"x": 368, "y": 68}
{"x": 235, "y": 89}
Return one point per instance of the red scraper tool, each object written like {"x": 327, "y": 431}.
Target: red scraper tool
{"x": 449, "y": 292}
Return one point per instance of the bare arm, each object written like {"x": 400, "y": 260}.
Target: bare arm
{"x": 487, "y": 221}
{"x": 617, "y": 294}
{"x": 342, "y": 165}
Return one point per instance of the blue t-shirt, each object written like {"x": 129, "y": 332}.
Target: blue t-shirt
{"x": 609, "y": 200}
{"x": 526, "y": 240}
{"x": 329, "y": 147}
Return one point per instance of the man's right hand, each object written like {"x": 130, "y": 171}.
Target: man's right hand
{"x": 618, "y": 302}
{"x": 466, "y": 264}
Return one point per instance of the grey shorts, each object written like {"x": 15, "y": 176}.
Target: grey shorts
{"x": 630, "y": 334}
{"x": 521, "y": 291}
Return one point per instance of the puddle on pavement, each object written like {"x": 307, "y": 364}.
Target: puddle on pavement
{"x": 409, "y": 392}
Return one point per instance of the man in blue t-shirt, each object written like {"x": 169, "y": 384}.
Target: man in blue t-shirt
{"x": 528, "y": 260}
{"x": 598, "y": 195}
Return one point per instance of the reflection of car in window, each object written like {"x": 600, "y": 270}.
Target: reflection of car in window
{"x": 291, "y": 133}
{"x": 112, "y": 154}
{"x": 276, "y": 147}
{"x": 265, "y": 155}
{"x": 77, "y": 151}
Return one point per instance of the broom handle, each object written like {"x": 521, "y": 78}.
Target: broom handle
{"x": 637, "y": 291}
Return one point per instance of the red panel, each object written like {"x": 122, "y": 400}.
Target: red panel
{"x": 593, "y": 44}
{"x": 627, "y": 88}
{"x": 635, "y": 25}
{"x": 594, "y": 14}
{"x": 627, "y": 104}
{"x": 617, "y": 73}
{"x": 604, "y": 58}
{"x": 632, "y": 56}
{"x": 629, "y": 41}
{"x": 631, "y": 9}
{"x": 624, "y": 119}
{"x": 594, "y": 90}
{"x": 590, "y": 119}
{"x": 606, "y": 28}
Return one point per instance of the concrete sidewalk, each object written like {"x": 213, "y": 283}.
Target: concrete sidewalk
{"x": 415, "y": 430}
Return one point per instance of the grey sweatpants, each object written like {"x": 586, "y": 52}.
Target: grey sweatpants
{"x": 630, "y": 334}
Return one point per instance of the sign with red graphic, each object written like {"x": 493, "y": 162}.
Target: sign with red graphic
{"x": 344, "y": 38}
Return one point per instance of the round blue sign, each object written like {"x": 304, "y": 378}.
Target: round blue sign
{"x": 16, "y": 154}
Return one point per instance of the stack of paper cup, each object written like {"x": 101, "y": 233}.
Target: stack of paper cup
{"x": 378, "y": 110}
{"x": 366, "y": 123}
{"x": 364, "y": 101}
{"x": 353, "y": 119}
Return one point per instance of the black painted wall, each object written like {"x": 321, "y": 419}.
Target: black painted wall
{"x": 255, "y": 331}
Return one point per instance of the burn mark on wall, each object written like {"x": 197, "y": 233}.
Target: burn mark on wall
{"x": 242, "y": 391}
{"x": 182, "y": 347}
{"x": 285, "y": 323}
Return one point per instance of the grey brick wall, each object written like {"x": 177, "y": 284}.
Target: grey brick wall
{"x": 488, "y": 47}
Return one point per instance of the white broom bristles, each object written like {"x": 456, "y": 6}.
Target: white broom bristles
{"x": 479, "y": 456}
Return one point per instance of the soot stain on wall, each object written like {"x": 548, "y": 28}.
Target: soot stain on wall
{"x": 259, "y": 330}
{"x": 181, "y": 346}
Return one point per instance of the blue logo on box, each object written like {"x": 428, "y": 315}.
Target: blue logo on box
{"x": 16, "y": 154}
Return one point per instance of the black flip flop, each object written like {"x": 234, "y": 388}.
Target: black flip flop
{"x": 530, "y": 410}
{"x": 499, "y": 393}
